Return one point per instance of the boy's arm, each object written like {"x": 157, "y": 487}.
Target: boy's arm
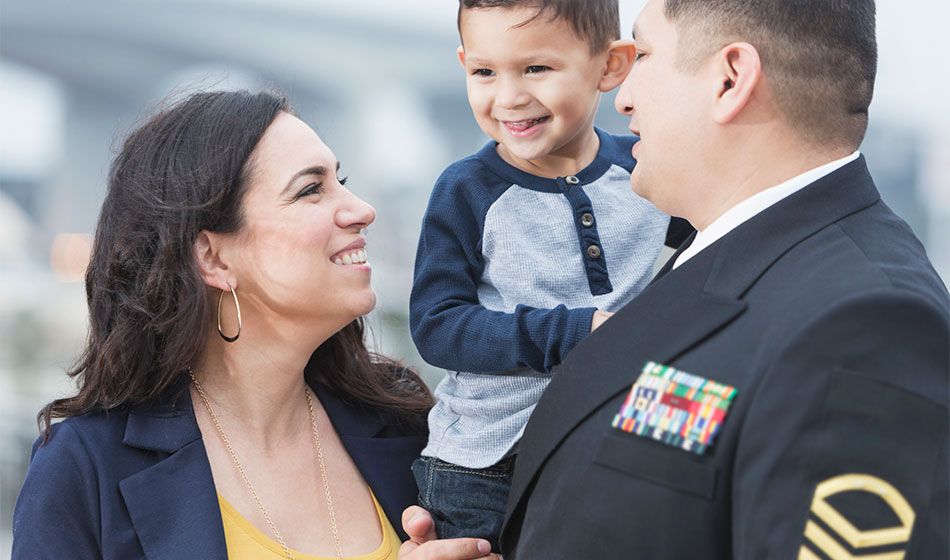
{"x": 451, "y": 330}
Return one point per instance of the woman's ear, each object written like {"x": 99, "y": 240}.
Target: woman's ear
{"x": 738, "y": 72}
{"x": 213, "y": 269}
{"x": 621, "y": 55}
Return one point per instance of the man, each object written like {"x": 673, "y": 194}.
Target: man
{"x": 781, "y": 389}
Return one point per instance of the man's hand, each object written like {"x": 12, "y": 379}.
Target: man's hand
{"x": 599, "y": 318}
{"x": 424, "y": 545}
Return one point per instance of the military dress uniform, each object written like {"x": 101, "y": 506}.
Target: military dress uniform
{"x": 781, "y": 394}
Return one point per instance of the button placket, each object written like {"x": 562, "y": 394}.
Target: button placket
{"x": 592, "y": 254}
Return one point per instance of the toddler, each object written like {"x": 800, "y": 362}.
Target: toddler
{"x": 526, "y": 246}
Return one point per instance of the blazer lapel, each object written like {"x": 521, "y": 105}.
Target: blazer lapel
{"x": 172, "y": 503}
{"x": 668, "y": 265}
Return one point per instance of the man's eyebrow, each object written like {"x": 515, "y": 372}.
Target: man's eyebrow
{"x": 315, "y": 170}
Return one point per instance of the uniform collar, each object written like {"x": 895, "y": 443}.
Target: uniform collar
{"x": 757, "y": 203}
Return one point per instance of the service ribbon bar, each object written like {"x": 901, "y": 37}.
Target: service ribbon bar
{"x": 675, "y": 407}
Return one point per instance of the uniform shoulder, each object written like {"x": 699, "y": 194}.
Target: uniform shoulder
{"x": 860, "y": 254}
{"x": 893, "y": 254}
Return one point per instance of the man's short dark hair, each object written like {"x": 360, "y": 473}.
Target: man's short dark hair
{"x": 819, "y": 57}
{"x": 595, "y": 21}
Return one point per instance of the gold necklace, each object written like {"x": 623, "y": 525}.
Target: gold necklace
{"x": 260, "y": 504}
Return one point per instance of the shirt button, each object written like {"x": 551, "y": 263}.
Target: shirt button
{"x": 572, "y": 180}
{"x": 593, "y": 252}
{"x": 587, "y": 219}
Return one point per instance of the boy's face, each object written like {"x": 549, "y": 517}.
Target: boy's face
{"x": 534, "y": 88}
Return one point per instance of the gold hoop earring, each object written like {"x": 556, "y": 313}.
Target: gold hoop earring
{"x": 236, "y": 306}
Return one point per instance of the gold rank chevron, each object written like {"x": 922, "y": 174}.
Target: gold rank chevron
{"x": 857, "y": 539}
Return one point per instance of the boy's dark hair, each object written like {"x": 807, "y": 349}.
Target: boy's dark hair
{"x": 818, "y": 56}
{"x": 595, "y": 21}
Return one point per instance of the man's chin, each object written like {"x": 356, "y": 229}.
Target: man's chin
{"x": 637, "y": 184}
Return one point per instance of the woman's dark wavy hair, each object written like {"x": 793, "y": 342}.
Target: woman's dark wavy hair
{"x": 186, "y": 170}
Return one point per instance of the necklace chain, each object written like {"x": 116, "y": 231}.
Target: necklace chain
{"x": 260, "y": 504}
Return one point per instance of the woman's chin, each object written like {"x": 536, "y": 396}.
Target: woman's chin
{"x": 361, "y": 305}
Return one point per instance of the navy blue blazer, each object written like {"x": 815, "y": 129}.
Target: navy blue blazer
{"x": 825, "y": 314}
{"x": 137, "y": 484}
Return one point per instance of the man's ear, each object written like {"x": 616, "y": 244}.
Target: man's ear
{"x": 214, "y": 271}
{"x": 621, "y": 55}
{"x": 461, "y": 54}
{"x": 738, "y": 70}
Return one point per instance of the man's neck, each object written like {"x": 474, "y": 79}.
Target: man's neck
{"x": 760, "y": 169}
{"x": 758, "y": 202}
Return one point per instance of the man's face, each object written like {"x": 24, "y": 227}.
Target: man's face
{"x": 667, "y": 111}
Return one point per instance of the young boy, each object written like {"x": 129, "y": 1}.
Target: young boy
{"x": 526, "y": 246}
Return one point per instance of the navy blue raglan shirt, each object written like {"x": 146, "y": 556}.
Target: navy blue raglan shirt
{"x": 509, "y": 271}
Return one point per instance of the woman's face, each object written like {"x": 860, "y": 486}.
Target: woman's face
{"x": 300, "y": 255}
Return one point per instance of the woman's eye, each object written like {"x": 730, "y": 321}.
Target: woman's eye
{"x": 343, "y": 180}
{"x": 311, "y": 189}
{"x": 639, "y": 56}
{"x": 536, "y": 69}
{"x": 484, "y": 72}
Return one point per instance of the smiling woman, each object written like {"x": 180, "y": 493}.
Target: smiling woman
{"x": 259, "y": 427}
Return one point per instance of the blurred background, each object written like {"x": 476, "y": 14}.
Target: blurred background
{"x": 377, "y": 79}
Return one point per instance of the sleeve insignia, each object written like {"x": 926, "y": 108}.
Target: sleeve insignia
{"x": 846, "y": 531}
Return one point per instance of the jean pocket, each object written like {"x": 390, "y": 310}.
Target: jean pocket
{"x": 421, "y": 472}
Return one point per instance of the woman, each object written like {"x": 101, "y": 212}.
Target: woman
{"x": 227, "y": 404}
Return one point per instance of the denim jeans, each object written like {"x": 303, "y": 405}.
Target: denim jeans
{"x": 465, "y": 502}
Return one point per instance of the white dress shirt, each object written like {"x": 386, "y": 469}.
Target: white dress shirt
{"x": 755, "y": 204}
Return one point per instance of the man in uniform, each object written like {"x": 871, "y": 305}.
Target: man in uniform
{"x": 781, "y": 389}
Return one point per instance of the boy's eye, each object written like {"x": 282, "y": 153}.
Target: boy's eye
{"x": 537, "y": 68}
{"x": 343, "y": 180}
{"x": 484, "y": 72}
{"x": 639, "y": 56}
{"x": 311, "y": 189}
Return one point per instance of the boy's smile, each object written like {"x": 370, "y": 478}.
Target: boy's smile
{"x": 525, "y": 128}
{"x": 533, "y": 88}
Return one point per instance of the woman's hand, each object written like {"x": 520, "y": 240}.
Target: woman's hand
{"x": 423, "y": 544}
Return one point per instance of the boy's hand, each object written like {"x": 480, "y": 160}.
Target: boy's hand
{"x": 599, "y": 318}
{"x": 424, "y": 545}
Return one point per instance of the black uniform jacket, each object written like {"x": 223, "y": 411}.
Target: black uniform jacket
{"x": 825, "y": 314}
{"x": 137, "y": 484}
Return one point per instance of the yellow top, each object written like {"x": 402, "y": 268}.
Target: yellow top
{"x": 245, "y": 542}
